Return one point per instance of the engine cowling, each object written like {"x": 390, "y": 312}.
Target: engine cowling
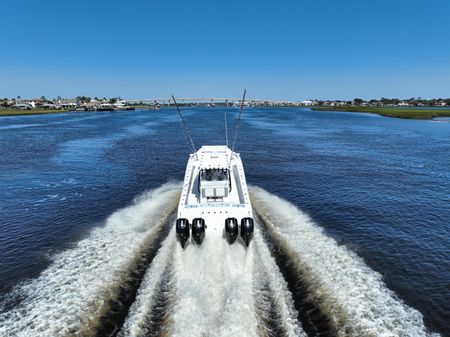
{"x": 247, "y": 227}
{"x": 198, "y": 230}
{"x": 182, "y": 230}
{"x": 231, "y": 229}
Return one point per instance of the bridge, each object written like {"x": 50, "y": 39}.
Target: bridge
{"x": 207, "y": 101}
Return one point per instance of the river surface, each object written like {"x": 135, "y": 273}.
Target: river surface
{"x": 356, "y": 196}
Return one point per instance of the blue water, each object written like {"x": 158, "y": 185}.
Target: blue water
{"x": 380, "y": 186}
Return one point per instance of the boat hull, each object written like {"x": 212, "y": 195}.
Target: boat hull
{"x": 215, "y": 191}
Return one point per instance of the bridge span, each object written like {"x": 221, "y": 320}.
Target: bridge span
{"x": 206, "y": 101}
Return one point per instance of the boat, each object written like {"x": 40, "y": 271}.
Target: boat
{"x": 214, "y": 198}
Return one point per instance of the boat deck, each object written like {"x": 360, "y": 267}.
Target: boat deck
{"x": 235, "y": 204}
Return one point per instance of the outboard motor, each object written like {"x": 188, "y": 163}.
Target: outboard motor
{"x": 182, "y": 229}
{"x": 247, "y": 230}
{"x": 231, "y": 229}
{"x": 198, "y": 230}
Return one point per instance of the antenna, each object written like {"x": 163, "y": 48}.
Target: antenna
{"x": 238, "y": 121}
{"x": 183, "y": 125}
{"x": 226, "y": 127}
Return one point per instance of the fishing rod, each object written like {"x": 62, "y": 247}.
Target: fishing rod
{"x": 238, "y": 121}
{"x": 236, "y": 129}
{"x": 183, "y": 125}
{"x": 226, "y": 128}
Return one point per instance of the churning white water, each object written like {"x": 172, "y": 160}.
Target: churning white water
{"x": 270, "y": 289}
{"x": 353, "y": 295}
{"x": 215, "y": 289}
{"x": 140, "y": 312}
{"x": 70, "y": 295}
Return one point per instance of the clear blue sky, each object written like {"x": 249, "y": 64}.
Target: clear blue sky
{"x": 276, "y": 49}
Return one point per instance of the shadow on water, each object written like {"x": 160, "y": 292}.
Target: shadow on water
{"x": 270, "y": 319}
{"x": 118, "y": 306}
{"x": 314, "y": 321}
{"x": 158, "y": 322}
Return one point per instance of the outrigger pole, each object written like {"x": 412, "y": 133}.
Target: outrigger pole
{"x": 226, "y": 127}
{"x": 238, "y": 121}
{"x": 183, "y": 126}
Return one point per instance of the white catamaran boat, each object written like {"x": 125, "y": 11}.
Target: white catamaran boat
{"x": 215, "y": 199}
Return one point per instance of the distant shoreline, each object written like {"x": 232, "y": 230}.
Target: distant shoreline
{"x": 18, "y": 112}
{"x": 14, "y": 112}
{"x": 394, "y": 112}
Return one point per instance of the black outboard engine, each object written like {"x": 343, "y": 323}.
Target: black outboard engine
{"x": 247, "y": 230}
{"x": 182, "y": 229}
{"x": 198, "y": 230}
{"x": 231, "y": 229}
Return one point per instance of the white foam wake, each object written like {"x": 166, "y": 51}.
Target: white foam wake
{"x": 140, "y": 312}
{"x": 214, "y": 289}
{"x": 70, "y": 295}
{"x": 215, "y": 286}
{"x": 268, "y": 275}
{"x": 354, "y": 295}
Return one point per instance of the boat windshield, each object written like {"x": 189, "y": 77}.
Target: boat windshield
{"x": 214, "y": 174}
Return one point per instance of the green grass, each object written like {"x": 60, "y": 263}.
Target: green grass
{"x": 409, "y": 113}
{"x": 15, "y": 112}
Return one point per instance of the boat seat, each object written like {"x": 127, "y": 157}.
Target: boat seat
{"x": 215, "y": 189}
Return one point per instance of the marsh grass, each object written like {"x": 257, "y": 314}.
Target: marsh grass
{"x": 409, "y": 113}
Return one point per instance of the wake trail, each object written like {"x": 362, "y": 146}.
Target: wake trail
{"x": 72, "y": 295}
{"x": 148, "y": 316}
{"x": 274, "y": 303}
{"x": 132, "y": 278}
{"x": 215, "y": 289}
{"x": 112, "y": 320}
{"x": 336, "y": 283}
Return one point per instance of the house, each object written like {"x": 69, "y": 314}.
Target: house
{"x": 91, "y": 106}
{"x": 48, "y": 106}
{"x": 22, "y": 106}
{"x": 37, "y": 102}
{"x": 66, "y": 103}
{"x": 120, "y": 104}
{"x": 5, "y": 103}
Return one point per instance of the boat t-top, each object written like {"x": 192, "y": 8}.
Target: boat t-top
{"x": 214, "y": 199}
